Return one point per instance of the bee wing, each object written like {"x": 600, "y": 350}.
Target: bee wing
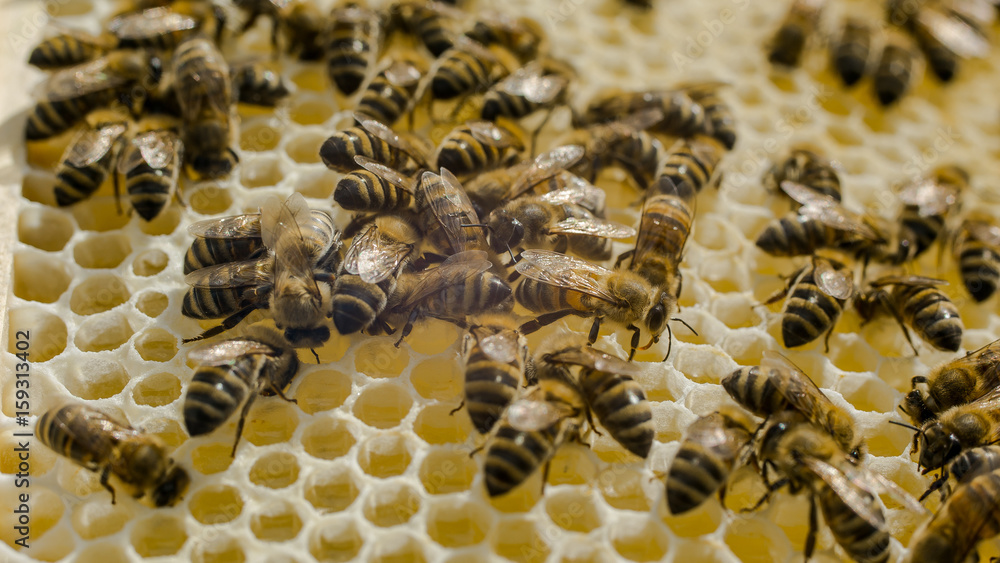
{"x": 593, "y": 227}
{"x": 159, "y": 149}
{"x": 641, "y": 120}
{"x": 233, "y": 274}
{"x": 82, "y": 79}
{"x": 456, "y": 269}
{"x": 276, "y": 216}
{"x": 227, "y": 351}
{"x": 595, "y": 359}
{"x": 531, "y": 83}
{"x": 386, "y": 173}
{"x": 449, "y": 203}
{"x": 528, "y": 415}
{"x": 953, "y": 32}
{"x": 907, "y": 280}
{"x": 386, "y": 134}
{"x": 209, "y": 83}
{"x": 984, "y": 232}
{"x": 709, "y": 432}
{"x": 374, "y": 256}
{"x": 577, "y": 191}
{"x": 402, "y": 73}
{"x": 91, "y": 145}
{"x": 831, "y": 281}
{"x": 545, "y": 166}
{"x": 503, "y": 346}
{"x": 800, "y": 391}
{"x": 103, "y": 41}
{"x": 491, "y": 134}
{"x": 236, "y": 226}
{"x": 828, "y": 210}
{"x": 150, "y": 23}
{"x": 874, "y": 482}
{"x": 563, "y": 271}
{"x": 929, "y": 196}
{"x": 281, "y": 225}
{"x": 854, "y": 496}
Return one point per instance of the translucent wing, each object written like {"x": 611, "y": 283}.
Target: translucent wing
{"x": 375, "y": 257}
{"x": 383, "y": 132}
{"x": 227, "y": 351}
{"x": 563, "y": 271}
{"x": 907, "y": 280}
{"x": 859, "y": 500}
{"x": 930, "y": 197}
{"x": 277, "y": 216}
{"x": 642, "y": 120}
{"x": 450, "y": 205}
{"x": 233, "y": 274}
{"x": 987, "y": 233}
{"x": 531, "y": 83}
{"x": 456, "y": 269}
{"x": 83, "y": 79}
{"x": 503, "y": 346}
{"x": 954, "y": 33}
{"x": 595, "y": 359}
{"x": 150, "y": 23}
{"x": 158, "y": 149}
{"x": 281, "y": 231}
{"x": 528, "y": 415}
{"x": 877, "y": 483}
{"x": 236, "y": 226}
{"x": 800, "y": 391}
{"x": 388, "y": 174}
{"x": 493, "y": 135}
{"x": 204, "y": 82}
{"x": 545, "y": 166}
{"x": 402, "y": 73}
{"x": 828, "y": 211}
{"x": 92, "y": 145}
{"x": 831, "y": 281}
{"x": 593, "y": 227}
{"x": 576, "y": 191}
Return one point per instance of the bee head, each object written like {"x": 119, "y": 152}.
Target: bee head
{"x": 938, "y": 447}
{"x": 209, "y": 165}
{"x": 915, "y": 408}
{"x": 312, "y": 337}
{"x": 172, "y": 488}
{"x": 506, "y": 231}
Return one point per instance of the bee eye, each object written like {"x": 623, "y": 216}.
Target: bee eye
{"x": 656, "y": 318}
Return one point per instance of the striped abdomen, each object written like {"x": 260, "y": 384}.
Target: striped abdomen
{"x": 663, "y": 230}
{"x": 165, "y": 41}
{"x": 862, "y": 541}
{"x": 719, "y": 117}
{"x": 150, "y": 189}
{"x": 894, "y": 74}
{"x": 339, "y": 150}
{"x": 974, "y": 462}
{"x": 50, "y": 117}
{"x": 428, "y": 25}
{"x": 980, "y": 267}
{"x": 214, "y": 303}
{"x": 465, "y": 155}
{"x": 639, "y": 155}
{"x": 384, "y": 100}
{"x": 621, "y": 407}
{"x": 540, "y": 297}
{"x": 851, "y": 52}
{"x": 591, "y": 248}
{"x": 258, "y": 85}
{"x": 693, "y": 162}
{"x": 755, "y": 391}
{"x": 79, "y": 433}
{"x": 504, "y": 104}
{"x": 477, "y": 294}
{"x": 217, "y": 391}
{"x": 206, "y": 252}
{"x": 931, "y": 314}
{"x": 683, "y": 116}
{"x": 75, "y": 184}
{"x": 356, "y": 303}
{"x": 362, "y": 190}
{"x": 917, "y": 233}
{"x": 696, "y": 473}
{"x": 942, "y": 60}
{"x": 797, "y": 236}
{"x": 460, "y": 73}
{"x": 349, "y": 47}
{"x": 63, "y": 50}
{"x": 808, "y": 312}
{"x": 514, "y": 455}
{"x": 490, "y": 386}
{"x": 971, "y": 514}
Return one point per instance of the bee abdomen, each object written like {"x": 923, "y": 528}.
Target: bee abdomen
{"x": 462, "y": 154}
{"x": 49, "y": 118}
{"x": 639, "y": 155}
{"x": 148, "y": 189}
{"x": 214, "y": 395}
{"x": 694, "y": 476}
{"x": 497, "y": 104}
{"x": 754, "y": 390}
{"x": 722, "y": 123}
{"x": 356, "y": 304}
{"x": 212, "y": 303}
{"x": 489, "y": 388}
{"x": 893, "y": 75}
{"x": 209, "y": 252}
{"x": 383, "y": 101}
{"x": 514, "y": 456}
{"x": 934, "y": 317}
{"x": 919, "y": 233}
{"x": 621, "y": 406}
{"x": 861, "y": 540}
{"x": 980, "y": 266}
{"x": 795, "y": 236}
{"x": 808, "y": 314}
{"x": 459, "y": 74}
{"x": 62, "y": 50}
{"x": 74, "y": 184}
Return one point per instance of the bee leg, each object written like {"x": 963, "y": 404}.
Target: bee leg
{"x": 595, "y": 330}
{"x": 635, "y": 340}
{"x": 937, "y": 484}
{"x": 884, "y": 299}
{"x": 544, "y": 320}
{"x": 545, "y": 473}
{"x": 226, "y": 324}
{"x": 105, "y": 474}
{"x": 767, "y": 496}
{"x": 408, "y": 326}
{"x": 826, "y": 341}
{"x": 384, "y": 326}
{"x": 813, "y": 524}
{"x": 281, "y": 393}
{"x": 456, "y": 409}
{"x": 623, "y": 256}
{"x": 239, "y": 425}
{"x": 118, "y": 191}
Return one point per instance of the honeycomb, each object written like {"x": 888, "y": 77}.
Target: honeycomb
{"x": 368, "y": 464}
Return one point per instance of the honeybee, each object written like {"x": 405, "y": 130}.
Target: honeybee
{"x": 70, "y": 94}
{"x": 371, "y": 139}
{"x": 806, "y": 167}
{"x": 460, "y": 286}
{"x": 538, "y": 85}
{"x": 957, "y": 382}
{"x": 683, "y": 116}
{"x": 777, "y": 385}
{"x": 150, "y": 163}
{"x": 557, "y": 285}
{"x": 446, "y": 215}
{"x": 720, "y": 118}
{"x": 204, "y": 93}
{"x": 87, "y": 161}
{"x": 957, "y": 429}
{"x": 977, "y": 251}
{"x": 496, "y": 361}
{"x": 693, "y": 161}
{"x": 816, "y": 296}
{"x": 300, "y": 22}
{"x": 612, "y": 394}
{"x": 162, "y": 28}
{"x": 226, "y": 239}
{"x": 799, "y": 24}
{"x": 368, "y": 189}
{"x": 624, "y": 143}
{"x": 706, "y": 457}
{"x": 927, "y": 204}
{"x": 476, "y": 147}
{"x": 353, "y": 41}
{"x": 433, "y": 23}
{"x": 547, "y": 170}
{"x": 369, "y": 273}
{"x": 69, "y": 47}
{"x": 99, "y": 443}
{"x": 942, "y": 33}
{"x": 896, "y": 72}
{"x": 258, "y": 85}
{"x": 915, "y": 301}
{"x": 463, "y": 69}
{"x": 390, "y": 92}
{"x": 851, "y": 51}
{"x": 965, "y": 467}
{"x": 293, "y": 279}
{"x": 235, "y": 371}
{"x": 523, "y": 37}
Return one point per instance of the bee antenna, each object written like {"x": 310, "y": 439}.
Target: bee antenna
{"x": 488, "y": 228}
{"x": 313, "y": 350}
{"x": 683, "y": 322}
{"x": 905, "y": 425}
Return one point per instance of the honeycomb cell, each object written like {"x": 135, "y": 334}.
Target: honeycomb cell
{"x": 44, "y": 228}
{"x": 322, "y": 390}
{"x": 398, "y": 549}
{"x": 698, "y": 522}
{"x": 432, "y": 337}
{"x": 150, "y": 262}
{"x": 457, "y": 523}
{"x": 209, "y": 199}
{"x": 158, "y": 535}
{"x": 166, "y": 429}
{"x": 156, "y": 345}
{"x": 99, "y": 214}
{"x": 38, "y": 277}
{"x": 47, "y": 332}
{"x": 152, "y": 303}
{"x": 96, "y": 518}
{"x": 164, "y": 223}
{"x": 102, "y": 552}
{"x": 573, "y": 510}
{"x": 261, "y": 172}
{"x": 38, "y": 188}
{"x": 379, "y": 358}
{"x": 622, "y": 488}
{"x": 53, "y": 546}
{"x": 436, "y": 425}
{"x": 327, "y": 439}
{"x": 383, "y": 405}
{"x": 212, "y": 458}
{"x": 102, "y": 250}
{"x": 260, "y": 136}
{"x": 310, "y": 110}
{"x": 311, "y": 79}
{"x": 97, "y": 294}
{"x": 276, "y": 522}
{"x": 304, "y": 148}
{"x": 215, "y": 504}
{"x": 96, "y": 378}
{"x": 639, "y": 540}
{"x": 446, "y": 471}
{"x": 317, "y": 184}
{"x": 276, "y": 470}
{"x": 700, "y": 550}
{"x": 385, "y": 455}
{"x": 756, "y": 541}
{"x": 41, "y": 462}
{"x": 335, "y": 540}
{"x": 391, "y": 504}
{"x": 157, "y": 390}
{"x": 520, "y": 542}
{"x": 331, "y": 489}
{"x": 221, "y": 550}
{"x": 438, "y": 378}
{"x": 270, "y": 422}
{"x": 572, "y": 465}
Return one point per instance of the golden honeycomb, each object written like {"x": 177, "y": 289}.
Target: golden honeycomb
{"x": 368, "y": 464}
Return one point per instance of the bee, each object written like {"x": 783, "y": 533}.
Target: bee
{"x": 523, "y": 37}
{"x": 806, "y": 167}
{"x": 790, "y": 40}
{"x": 896, "y": 72}
{"x": 851, "y": 51}
{"x": 463, "y": 69}
{"x": 927, "y": 204}
{"x": 943, "y": 34}
{"x": 373, "y": 140}
{"x": 624, "y": 143}
{"x": 71, "y": 93}
{"x": 293, "y": 279}
{"x": 258, "y": 85}
{"x": 955, "y": 383}
{"x": 721, "y": 123}
{"x": 964, "y": 426}
{"x": 977, "y": 250}
{"x": 150, "y": 163}
{"x": 496, "y": 360}
{"x": 460, "y": 286}
{"x": 965, "y": 467}
{"x": 612, "y": 394}
{"x": 816, "y": 296}
{"x": 87, "y": 161}
{"x": 204, "y": 93}
{"x": 476, "y": 147}
{"x": 539, "y": 85}
{"x": 160, "y": 28}
{"x": 368, "y": 189}
{"x": 433, "y": 23}
{"x": 300, "y": 22}
{"x": 693, "y": 162}
{"x": 235, "y": 371}
{"x": 706, "y": 457}
{"x": 446, "y": 215}
{"x": 68, "y": 48}
{"x": 99, "y": 443}
{"x": 821, "y": 222}
{"x": 226, "y": 239}
{"x": 777, "y": 385}
{"x": 683, "y": 115}
{"x": 915, "y": 301}
{"x": 369, "y": 272}
{"x": 353, "y": 41}
{"x": 547, "y": 172}
{"x": 557, "y": 285}
{"x": 390, "y": 93}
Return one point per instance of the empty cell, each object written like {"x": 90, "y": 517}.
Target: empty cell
{"x": 446, "y": 471}
{"x": 331, "y": 489}
{"x": 754, "y": 540}
{"x": 99, "y": 214}
{"x": 311, "y": 79}
{"x": 385, "y": 455}
{"x": 261, "y": 172}
{"x": 318, "y": 184}
{"x": 103, "y": 332}
{"x": 39, "y": 277}
{"x": 212, "y": 458}
{"x": 102, "y": 250}
{"x": 438, "y": 378}
{"x": 436, "y": 425}
{"x": 622, "y": 488}
{"x": 327, "y": 439}
{"x": 270, "y": 422}
{"x": 156, "y": 345}
{"x": 97, "y": 294}
{"x": 304, "y": 147}
{"x": 209, "y": 198}
{"x": 42, "y": 459}
{"x": 322, "y": 390}
{"x": 167, "y": 429}
{"x": 573, "y": 510}
{"x": 101, "y": 552}
{"x": 432, "y": 336}
{"x": 715, "y": 232}
{"x": 398, "y": 549}
{"x": 164, "y": 223}
{"x": 572, "y": 465}
{"x": 276, "y": 522}
{"x": 639, "y": 540}
{"x": 520, "y": 542}
{"x": 391, "y": 504}
{"x": 44, "y": 228}
{"x": 383, "y": 405}
{"x": 47, "y": 331}
{"x": 215, "y": 504}
{"x": 259, "y": 136}
{"x": 379, "y": 358}
{"x": 95, "y": 378}
{"x": 53, "y": 546}
{"x": 335, "y": 540}
{"x": 457, "y": 523}
{"x": 158, "y": 535}
{"x": 150, "y": 262}
{"x": 701, "y": 551}
{"x": 96, "y": 518}
{"x": 157, "y": 390}
{"x": 38, "y": 187}
{"x": 69, "y": 8}
{"x": 275, "y": 470}
{"x": 698, "y": 522}
{"x": 867, "y": 394}
{"x": 152, "y": 303}
{"x": 220, "y": 550}
{"x": 310, "y": 110}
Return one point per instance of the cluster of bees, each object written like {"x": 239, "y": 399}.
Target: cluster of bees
{"x": 940, "y": 32}
{"x": 468, "y": 229}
